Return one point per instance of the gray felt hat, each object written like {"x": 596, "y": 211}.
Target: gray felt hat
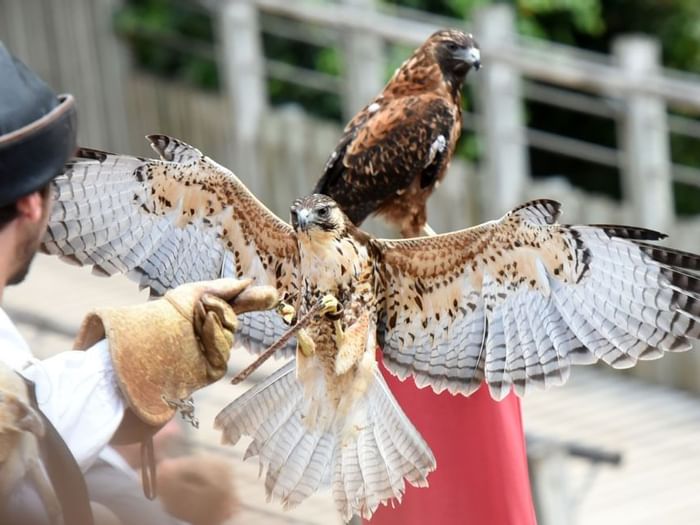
{"x": 37, "y": 129}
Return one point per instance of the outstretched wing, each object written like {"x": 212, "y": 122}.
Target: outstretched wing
{"x": 167, "y": 222}
{"x": 385, "y": 147}
{"x": 515, "y": 302}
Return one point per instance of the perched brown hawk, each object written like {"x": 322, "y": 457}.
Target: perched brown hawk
{"x": 396, "y": 150}
{"x": 512, "y": 303}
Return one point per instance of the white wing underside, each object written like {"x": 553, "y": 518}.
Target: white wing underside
{"x": 110, "y": 213}
{"x": 516, "y": 315}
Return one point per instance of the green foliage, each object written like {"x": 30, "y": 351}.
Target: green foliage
{"x": 323, "y": 59}
{"x": 171, "y": 39}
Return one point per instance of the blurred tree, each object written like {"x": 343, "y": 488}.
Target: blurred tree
{"x": 323, "y": 59}
{"x": 175, "y": 39}
{"x": 172, "y": 39}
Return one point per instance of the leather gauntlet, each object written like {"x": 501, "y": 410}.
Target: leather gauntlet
{"x": 164, "y": 350}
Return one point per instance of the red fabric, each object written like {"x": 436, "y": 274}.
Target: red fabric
{"x": 479, "y": 445}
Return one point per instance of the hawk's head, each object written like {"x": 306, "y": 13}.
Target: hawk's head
{"x": 455, "y": 52}
{"x": 317, "y": 214}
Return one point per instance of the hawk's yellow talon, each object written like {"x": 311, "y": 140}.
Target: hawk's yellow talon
{"x": 305, "y": 344}
{"x": 287, "y": 312}
{"x": 330, "y": 305}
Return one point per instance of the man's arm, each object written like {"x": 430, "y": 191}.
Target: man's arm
{"x": 79, "y": 394}
{"x": 139, "y": 358}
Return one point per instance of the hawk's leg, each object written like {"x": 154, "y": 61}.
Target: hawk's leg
{"x": 332, "y": 309}
{"x": 305, "y": 344}
{"x": 353, "y": 345}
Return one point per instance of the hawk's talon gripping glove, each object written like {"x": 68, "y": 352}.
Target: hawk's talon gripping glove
{"x": 168, "y": 348}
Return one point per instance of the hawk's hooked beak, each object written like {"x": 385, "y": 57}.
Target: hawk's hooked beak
{"x": 471, "y": 56}
{"x": 303, "y": 219}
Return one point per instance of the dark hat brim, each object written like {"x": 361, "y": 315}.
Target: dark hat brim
{"x": 31, "y": 156}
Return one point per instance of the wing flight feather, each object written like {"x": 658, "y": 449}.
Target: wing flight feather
{"x": 516, "y": 302}
{"x": 166, "y": 222}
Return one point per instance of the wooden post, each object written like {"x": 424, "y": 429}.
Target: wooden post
{"x": 644, "y": 132}
{"x": 114, "y": 68}
{"x": 363, "y": 56}
{"x": 243, "y": 67}
{"x": 504, "y": 168}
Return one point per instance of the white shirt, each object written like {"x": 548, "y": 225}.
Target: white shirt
{"x": 76, "y": 390}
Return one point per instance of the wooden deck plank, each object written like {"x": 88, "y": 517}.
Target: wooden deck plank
{"x": 656, "y": 428}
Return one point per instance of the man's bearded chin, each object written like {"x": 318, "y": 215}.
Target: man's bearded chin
{"x": 29, "y": 244}
{"x": 25, "y": 255}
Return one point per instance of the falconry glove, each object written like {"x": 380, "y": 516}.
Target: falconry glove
{"x": 164, "y": 350}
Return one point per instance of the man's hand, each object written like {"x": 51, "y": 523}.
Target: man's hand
{"x": 198, "y": 489}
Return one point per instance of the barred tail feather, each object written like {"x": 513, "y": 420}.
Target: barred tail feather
{"x": 367, "y": 456}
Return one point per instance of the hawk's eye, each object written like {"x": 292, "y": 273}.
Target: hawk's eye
{"x": 452, "y": 46}
{"x": 324, "y": 212}
{"x": 293, "y": 214}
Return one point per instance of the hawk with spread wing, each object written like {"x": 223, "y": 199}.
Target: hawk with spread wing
{"x": 396, "y": 150}
{"x": 512, "y": 303}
